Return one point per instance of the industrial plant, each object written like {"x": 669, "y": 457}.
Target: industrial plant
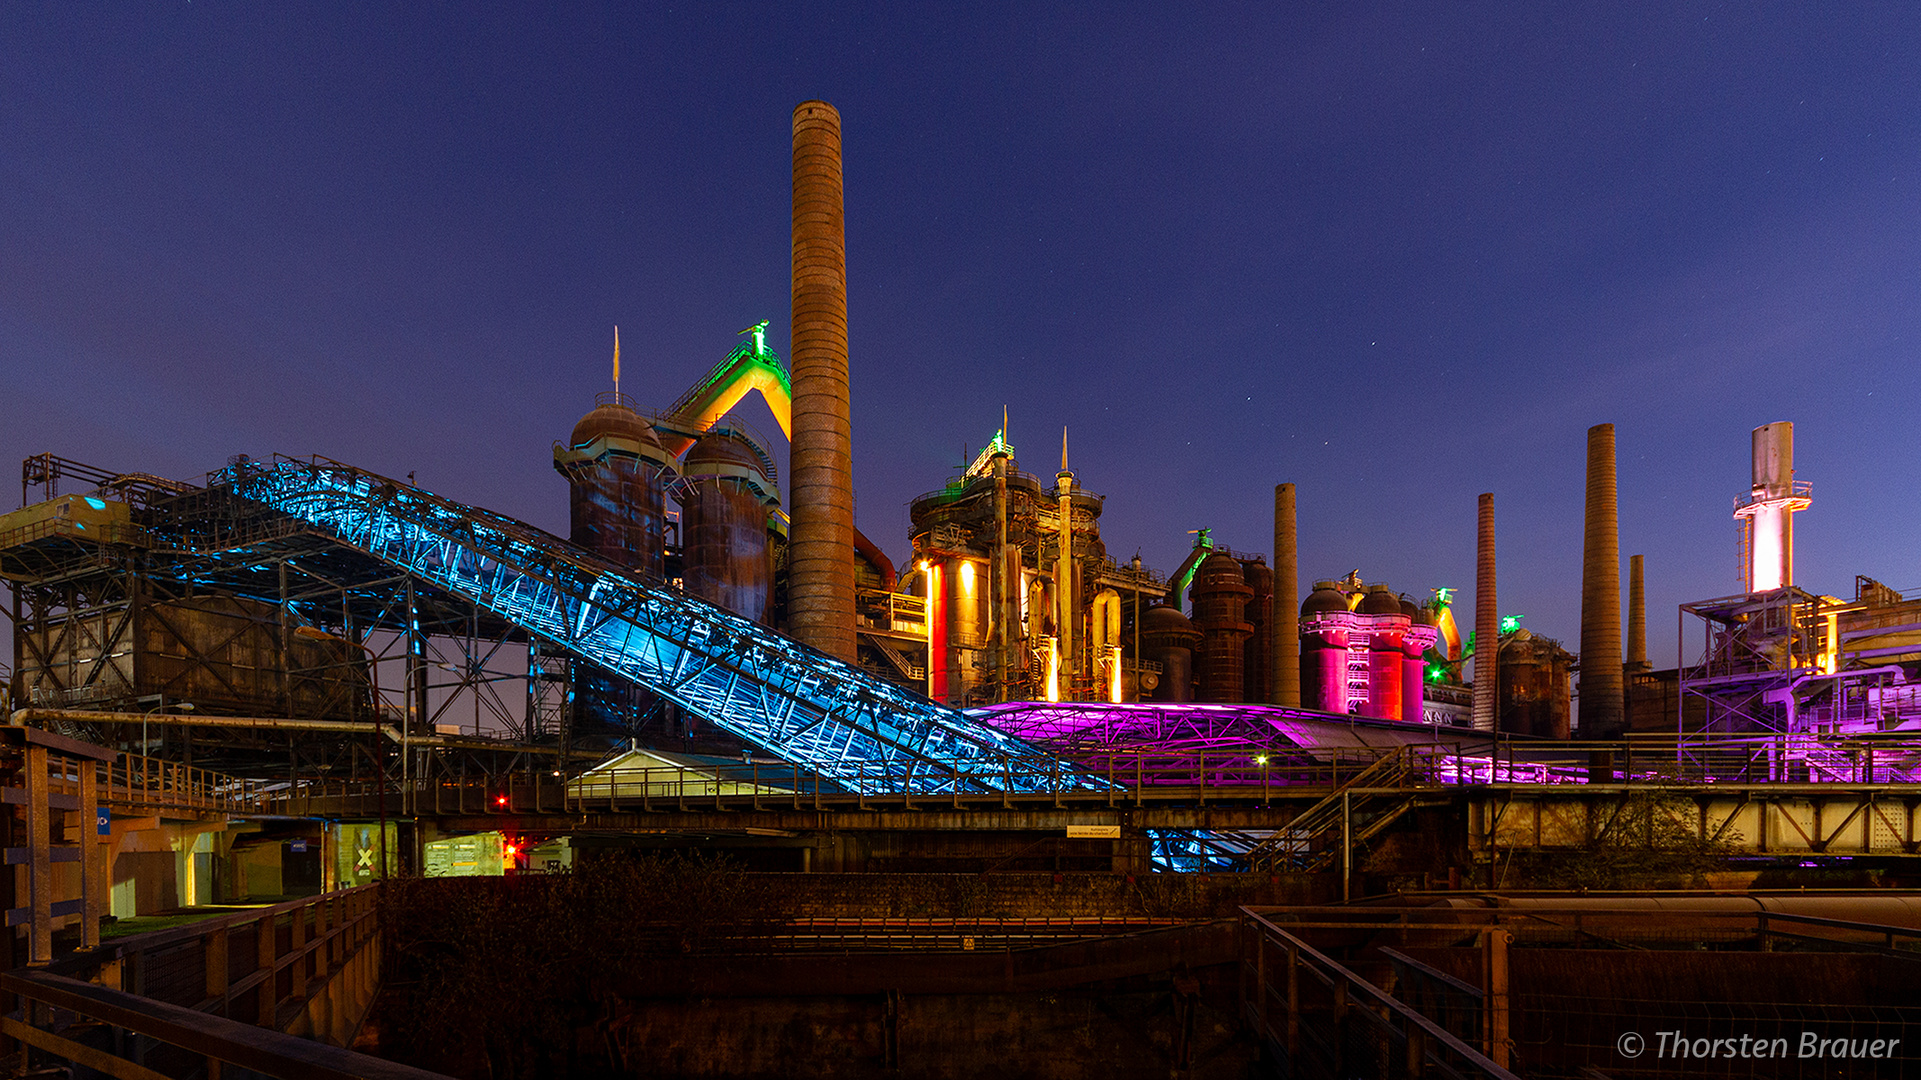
{"x": 295, "y": 683}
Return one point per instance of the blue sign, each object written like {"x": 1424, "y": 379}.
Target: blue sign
{"x": 102, "y": 821}
{"x": 298, "y": 846}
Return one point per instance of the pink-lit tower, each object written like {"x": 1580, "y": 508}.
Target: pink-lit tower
{"x": 1767, "y": 512}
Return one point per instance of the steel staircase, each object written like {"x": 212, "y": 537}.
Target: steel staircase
{"x": 1312, "y": 840}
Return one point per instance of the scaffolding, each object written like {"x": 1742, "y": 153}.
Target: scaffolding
{"x": 1791, "y": 662}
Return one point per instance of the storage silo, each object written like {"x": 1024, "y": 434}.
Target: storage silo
{"x": 616, "y": 471}
{"x": 1383, "y": 655}
{"x": 1258, "y": 654}
{"x": 614, "y": 467}
{"x": 1220, "y": 613}
{"x": 1168, "y": 638}
{"x": 724, "y": 502}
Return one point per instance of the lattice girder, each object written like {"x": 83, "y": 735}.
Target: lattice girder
{"x": 856, "y": 730}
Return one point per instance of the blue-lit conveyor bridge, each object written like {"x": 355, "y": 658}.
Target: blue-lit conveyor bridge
{"x": 860, "y": 732}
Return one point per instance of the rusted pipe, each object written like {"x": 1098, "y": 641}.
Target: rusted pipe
{"x": 22, "y": 717}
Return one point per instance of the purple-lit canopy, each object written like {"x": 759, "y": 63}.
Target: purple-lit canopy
{"x": 1191, "y": 727}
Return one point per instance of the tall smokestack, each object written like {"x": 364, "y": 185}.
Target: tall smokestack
{"x": 1285, "y": 632}
{"x": 1487, "y": 623}
{"x": 1637, "y": 617}
{"x": 1769, "y": 509}
{"x": 1602, "y": 715}
{"x": 820, "y": 553}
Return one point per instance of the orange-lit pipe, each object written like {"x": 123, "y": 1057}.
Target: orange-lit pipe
{"x": 748, "y": 374}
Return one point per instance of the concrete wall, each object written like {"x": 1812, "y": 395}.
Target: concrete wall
{"x": 144, "y": 882}
{"x": 255, "y": 870}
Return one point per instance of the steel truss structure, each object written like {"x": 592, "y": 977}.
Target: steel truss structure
{"x": 864, "y": 733}
{"x": 1751, "y": 645}
{"x": 210, "y": 604}
{"x": 1195, "y": 742}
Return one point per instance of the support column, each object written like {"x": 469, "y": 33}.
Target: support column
{"x": 40, "y": 860}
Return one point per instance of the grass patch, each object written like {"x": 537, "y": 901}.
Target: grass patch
{"x": 146, "y": 924}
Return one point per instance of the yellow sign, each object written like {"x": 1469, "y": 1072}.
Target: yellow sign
{"x": 1093, "y": 832}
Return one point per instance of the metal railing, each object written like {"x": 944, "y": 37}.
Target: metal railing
{"x": 102, "y": 533}
{"x": 251, "y": 990}
{"x": 1125, "y": 777}
{"x": 134, "y": 783}
{"x": 1522, "y": 1008}
{"x": 130, "y": 783}
{"x": 1326, "y": 829}
{"x": 1320, "y": 1019}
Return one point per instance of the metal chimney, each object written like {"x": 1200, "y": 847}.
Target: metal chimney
{"x": 1767, "y": 513}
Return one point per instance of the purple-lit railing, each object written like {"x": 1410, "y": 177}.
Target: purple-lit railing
{"x": 1146, "y": 774}
{"x": 1203, "y": 745}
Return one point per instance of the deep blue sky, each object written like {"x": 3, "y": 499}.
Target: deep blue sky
{"x": 1397, "y": 255}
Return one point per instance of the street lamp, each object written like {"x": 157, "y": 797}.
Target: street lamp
{"x": 183, "y": 706}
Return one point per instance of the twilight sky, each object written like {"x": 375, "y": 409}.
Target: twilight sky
{"x": 1395, "y": 254}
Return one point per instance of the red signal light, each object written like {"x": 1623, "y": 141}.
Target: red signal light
{"x": 500, "y": 800}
